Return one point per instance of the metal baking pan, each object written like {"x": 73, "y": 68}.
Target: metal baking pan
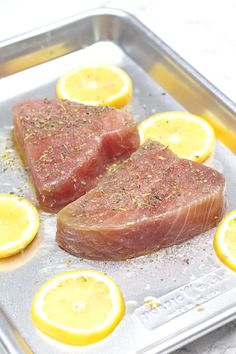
{"x": 195, "y": 292}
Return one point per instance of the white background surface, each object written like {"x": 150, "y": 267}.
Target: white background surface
{"x": 202, "y": 31}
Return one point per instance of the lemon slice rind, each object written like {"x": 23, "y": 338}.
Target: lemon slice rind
{"x": 118, "y": 100}
{"x": 220, "y": 246}
{"x": 201, "y": 154}
{"x": 70, "y": 335}
{"x": 26, "y": 237}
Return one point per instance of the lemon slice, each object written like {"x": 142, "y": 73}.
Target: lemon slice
{"x": 187, "y": 135}
{"x": 225, "y": 240}
{"x": 99, "y": 85}
{"x": 78, "y": 307}
{"x": 19, "y": 223}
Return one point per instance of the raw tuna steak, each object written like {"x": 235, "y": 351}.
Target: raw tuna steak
{"x": 150, "y": 201}
{"x": 66, "y": 146}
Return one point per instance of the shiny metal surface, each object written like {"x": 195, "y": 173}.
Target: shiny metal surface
{"x": 10, "y": 340}
{"x": 194, "y": 292}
